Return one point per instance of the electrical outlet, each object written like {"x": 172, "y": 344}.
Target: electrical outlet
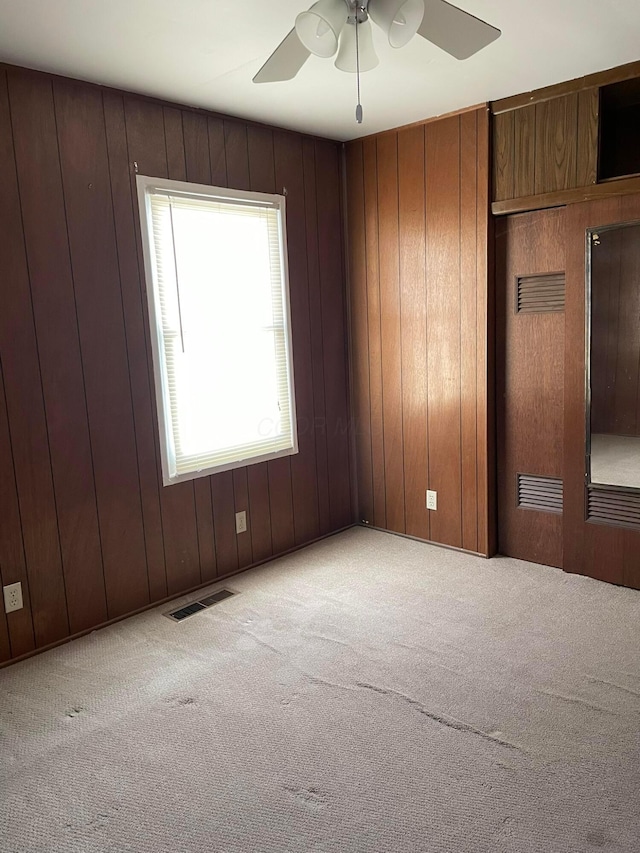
{"x": 432, "y": 499}
{"x": 12, "y": 597}
{"x": 241, "y": 522}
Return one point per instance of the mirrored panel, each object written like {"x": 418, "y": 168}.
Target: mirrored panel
{"x": 613, "y": 416}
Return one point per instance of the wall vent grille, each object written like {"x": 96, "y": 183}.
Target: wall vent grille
{"x": 543, "y": 494}
{"x": 610, "y": 506}
{"x": 538, "y": 294}
{"x": 197, "y": 606}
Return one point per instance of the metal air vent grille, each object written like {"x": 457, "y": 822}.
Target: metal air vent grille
{"x": 543, "y": 494}
{"x": 197, "y": 606}
{"x": 610, "y": 506}
{"x": 536, "y": 294}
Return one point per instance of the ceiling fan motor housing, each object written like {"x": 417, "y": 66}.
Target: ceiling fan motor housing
{"x": 358, "y": 11}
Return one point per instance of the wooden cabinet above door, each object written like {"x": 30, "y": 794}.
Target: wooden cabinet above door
{"x": 546, "y": 145}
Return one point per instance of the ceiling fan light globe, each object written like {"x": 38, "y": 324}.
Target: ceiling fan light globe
{"x": 399, "y": 19}
{"x": 346, "y": 60}
{"x": 319, "y": 28}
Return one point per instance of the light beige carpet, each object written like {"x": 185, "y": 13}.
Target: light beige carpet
{"x": 369, "y": 693}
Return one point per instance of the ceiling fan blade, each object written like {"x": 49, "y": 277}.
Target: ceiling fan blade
{"x": 455, "y": 31}
{"x": 285, "y": 61}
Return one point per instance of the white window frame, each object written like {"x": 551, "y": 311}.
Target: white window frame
{"x": 145, "y": 187}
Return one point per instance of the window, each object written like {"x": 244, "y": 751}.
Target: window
{"x": 217, "y": 285}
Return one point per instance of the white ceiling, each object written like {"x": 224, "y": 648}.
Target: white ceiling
{"x": 205, "y": 52}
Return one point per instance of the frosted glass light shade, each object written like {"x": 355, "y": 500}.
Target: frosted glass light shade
{"x": 346, "y": 58}
{"x": 399, "y": 19}
{"x": 319, "y": 28}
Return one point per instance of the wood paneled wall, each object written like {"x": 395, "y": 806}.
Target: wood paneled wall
{"x": 546, "y": 147}
{"x": 615, "y": 332}
{"x": 85, "y": 524}
{"x": 421, "y": 329}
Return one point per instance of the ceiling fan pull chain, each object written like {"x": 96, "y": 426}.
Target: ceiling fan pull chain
{"x": 359, "y": 105}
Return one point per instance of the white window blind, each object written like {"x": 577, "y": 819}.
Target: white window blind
{"x": 219, "y": 307}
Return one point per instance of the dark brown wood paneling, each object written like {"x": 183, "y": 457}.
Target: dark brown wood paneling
{"x": 600, "y": 551}
{"x": 24, "y": 401}
{"x": 93, "y": 253}
{"x": 504, "y": 162}
{"x": 357, "y": 254}
{"x": 422, "y": 324}
{"x": 374, "y": 325}
{"x": 317, "y": 334}
{"x": 524, "y": 152}
{"x": 237, "y": 154}
{"x": 413, "y": 316}
{"x": 587, "y": 153}
{"x": 77, "y": 381}
{"x": 16, "y": 629}
{"x": 175, "y": 144}
{"x": 217, "y": 152}
{"x": 259, "y": 514}
{"x": 192, "y": 142}
{"x": 223, "y": 502}
{"x": 126, "y": 232}
{"x": 469, "y": 251}
{"x": 241, "y": 504}
{"x": 289, "y": 175}
{"x": 444, "y": 327}
{"x": 61, "y": 365}
{"x": 333, "y": 307}
{"x": 390, "y": 330}
{"x": 529, "y": 385}
{"x": 556, "y": 142}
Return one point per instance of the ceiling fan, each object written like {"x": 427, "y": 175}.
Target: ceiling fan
{"x": 344, "y": 27}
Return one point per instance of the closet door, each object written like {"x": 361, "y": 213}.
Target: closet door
{"x": 530, "y": 290}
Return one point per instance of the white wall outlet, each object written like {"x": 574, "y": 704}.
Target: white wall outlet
{"x": 432, "y": 499}
{"x": 12, "y": 597}
{"x": 241, "y": 522}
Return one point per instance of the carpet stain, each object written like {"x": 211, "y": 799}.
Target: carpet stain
{"x": 75, "y": 711}
{"x": 181, "y": 701}
{"x": 449, "y": 722}
{"x": 596, "y": 839}
{"x": 311, "y": 798}
{"x": 98, "y": 821}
